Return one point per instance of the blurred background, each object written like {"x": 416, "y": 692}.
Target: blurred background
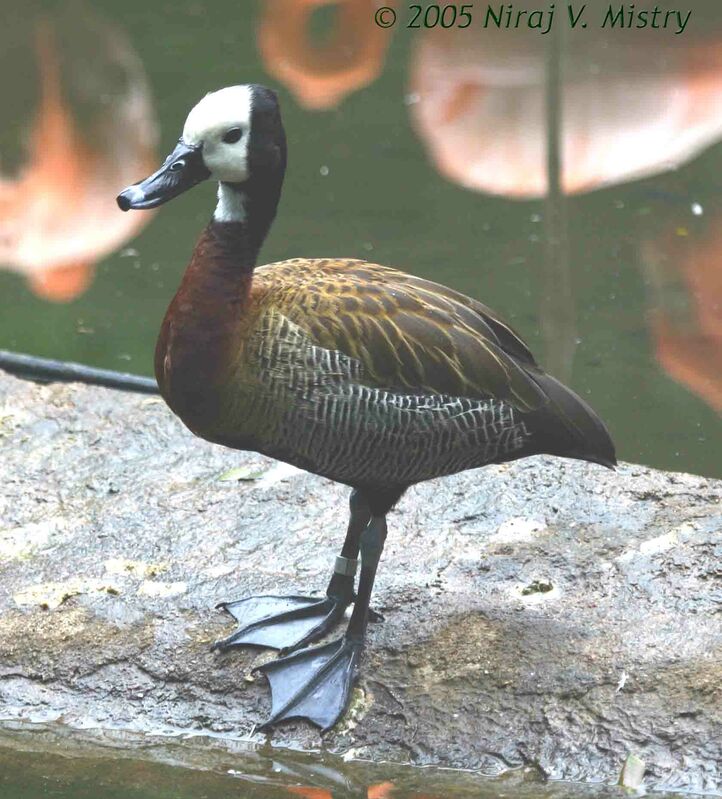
{"x": 571, "y": 181}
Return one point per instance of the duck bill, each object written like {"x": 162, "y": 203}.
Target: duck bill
{"x": 181, "y": 170}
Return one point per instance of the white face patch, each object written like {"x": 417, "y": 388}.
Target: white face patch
{"x": 210, "y": 120}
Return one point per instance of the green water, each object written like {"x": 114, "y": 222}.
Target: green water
{"x": 361, "y": 183}
{"x": 46, "y": 762}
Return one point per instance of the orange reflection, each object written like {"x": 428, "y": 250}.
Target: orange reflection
{"x": 689, "y": 338}
{"x": 692, "y": 359}
{"x": 322, "y": 73}
{"x": 62, "y": 283}
{"x": 626, "y": 112}
{"x": 58, "y": 215}
{"x": 311, "y": 793}
{"x": 381, "y": 790}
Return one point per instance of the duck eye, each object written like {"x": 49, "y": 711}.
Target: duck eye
{"x": 232, "y": 136}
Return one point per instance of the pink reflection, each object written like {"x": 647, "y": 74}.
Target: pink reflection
{"x": 693, "y": 359}
{"x": 322, "y": 73}
{"x": 93, "y": 130}
{"x": 380, "y": 790}
{"x": 627, "y": 112}
{"x": 689, "y": 339}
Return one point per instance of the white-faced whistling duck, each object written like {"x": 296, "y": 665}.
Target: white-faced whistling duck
{"x": 350, "y": 370}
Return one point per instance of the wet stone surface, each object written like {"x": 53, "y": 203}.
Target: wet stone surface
{"x": 545, "y": 613}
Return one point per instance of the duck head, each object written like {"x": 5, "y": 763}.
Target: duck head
{"x": 234, "y": 136}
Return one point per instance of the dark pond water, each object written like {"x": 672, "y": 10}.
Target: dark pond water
{"x": 45, "y": 762}
{"x": 423, "y": 149}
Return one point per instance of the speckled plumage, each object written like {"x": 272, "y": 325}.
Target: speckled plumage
{"x": 354, "y": 371}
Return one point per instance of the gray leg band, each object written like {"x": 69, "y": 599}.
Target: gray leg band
{"x": 346, "y": 566}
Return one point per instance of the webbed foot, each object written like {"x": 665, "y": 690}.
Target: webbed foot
{"x": 281, "y": 622}
{"x": 314, "y": 684}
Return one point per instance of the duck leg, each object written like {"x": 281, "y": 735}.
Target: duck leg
{"x": 315, "y": 684}
{"x": 290, "y": 622}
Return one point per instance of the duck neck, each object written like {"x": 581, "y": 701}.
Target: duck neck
{"x": 241, "y": 221}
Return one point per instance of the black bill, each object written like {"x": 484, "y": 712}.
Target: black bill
{"x": 182, "y": 170}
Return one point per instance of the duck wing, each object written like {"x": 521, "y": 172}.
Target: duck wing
{"x": 408, "y": 334}
{"x": 351, "y": 323}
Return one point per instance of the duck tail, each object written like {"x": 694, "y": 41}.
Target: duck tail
{"x": 569, "y": 427}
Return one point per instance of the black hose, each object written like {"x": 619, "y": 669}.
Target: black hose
{"x": 45, "y": 370}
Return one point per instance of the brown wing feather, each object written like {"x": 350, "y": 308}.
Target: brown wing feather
{"x": 409, "y": 333}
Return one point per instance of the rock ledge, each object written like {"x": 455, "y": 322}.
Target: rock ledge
{"x": 545, "y": 613}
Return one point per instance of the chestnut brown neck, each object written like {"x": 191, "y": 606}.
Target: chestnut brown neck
{"x": 220, "y": 272}
{"x": 227, "y": 248}
{"x": 195, "y": 345}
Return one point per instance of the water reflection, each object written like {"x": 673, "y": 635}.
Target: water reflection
{"x": 627, "y": 112}
{"x": 381, "y": 790}
{"x": 75, "y": 765}
{"x": 685, "y": 277}
{"x": 524, "y": 117}
{"x": 321, "y": 67}
{"x": 514, "y": 168}
{"x": 92, "y": 129}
